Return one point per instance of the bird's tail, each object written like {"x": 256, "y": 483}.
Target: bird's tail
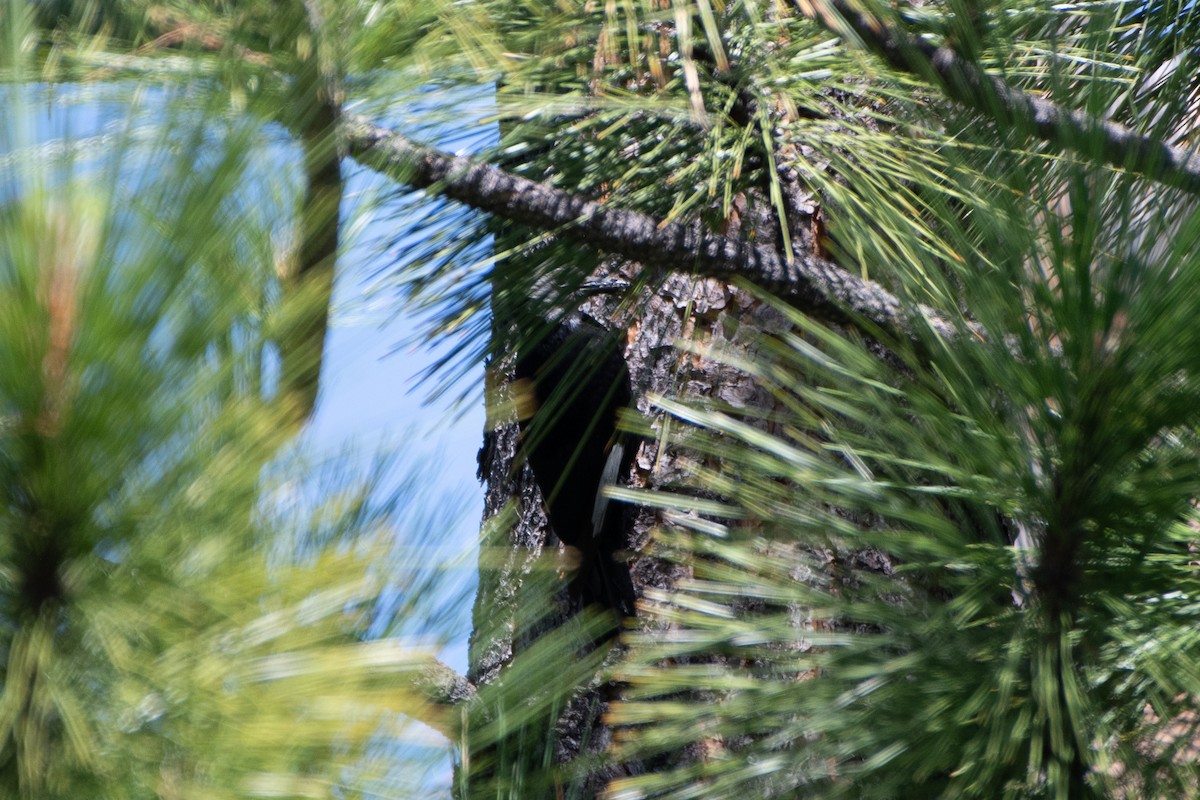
{"x": 604, "y": 581}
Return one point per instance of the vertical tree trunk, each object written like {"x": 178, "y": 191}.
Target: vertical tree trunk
{"x": 710, "y": 315}
{"x": 308, "y": 281}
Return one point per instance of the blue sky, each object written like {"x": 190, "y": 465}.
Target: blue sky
{"x": 372, "y": 398}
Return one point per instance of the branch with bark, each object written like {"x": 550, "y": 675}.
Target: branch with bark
{"x": 313, "y": 117}
{"x": 446, "y": 695}
{"x": 968, "y": 84}
{"x": 816, "y": 286}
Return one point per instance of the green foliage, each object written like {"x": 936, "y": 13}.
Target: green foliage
{"x": 184, "y": 610}
{"x": 959, "y": 664}
{"x": 961, "y": 569}
{"x": 964, "y": 570}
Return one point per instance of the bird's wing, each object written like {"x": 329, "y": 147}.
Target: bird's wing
{"x": 609, "y": 477}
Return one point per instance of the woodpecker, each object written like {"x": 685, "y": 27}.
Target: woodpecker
{"x": 570, "y": 388}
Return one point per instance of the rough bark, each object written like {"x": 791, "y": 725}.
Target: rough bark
{"x": 708, "y": 312}
{"x": 447, "y": 696}
{"x": 811, "y": 283}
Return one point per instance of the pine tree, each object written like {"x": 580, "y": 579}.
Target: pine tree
{"x": 907, "y": 308}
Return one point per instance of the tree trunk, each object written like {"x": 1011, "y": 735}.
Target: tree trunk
{"x": 707, "y": 313}
{"x": 710, "y": 315}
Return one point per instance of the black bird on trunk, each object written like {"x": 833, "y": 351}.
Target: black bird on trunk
{"x": 570, "y": 387}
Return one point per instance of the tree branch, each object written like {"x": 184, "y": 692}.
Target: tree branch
{"x": 312, "y": 115}
{"x": 815, "y": 286}
{"x": 447, "y": 694}
{"x": 966, "y": 83}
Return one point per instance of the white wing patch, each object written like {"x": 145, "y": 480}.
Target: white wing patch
{"x": 607, "y": 478}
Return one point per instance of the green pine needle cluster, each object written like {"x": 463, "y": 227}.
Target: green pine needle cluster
{"x": 956, "y": 560}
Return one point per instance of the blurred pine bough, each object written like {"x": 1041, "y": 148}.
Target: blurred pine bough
{"x": 186, "y": 595}
{"x": 962, "y": 570}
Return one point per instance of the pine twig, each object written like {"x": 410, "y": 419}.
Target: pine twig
{"x": 966, "y": 83}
